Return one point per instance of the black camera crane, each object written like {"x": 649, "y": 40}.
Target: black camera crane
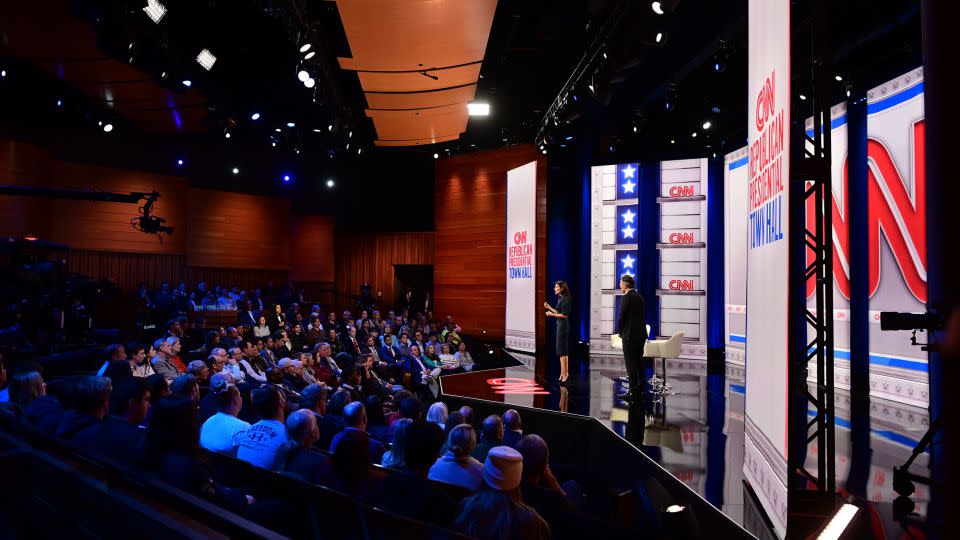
{"x": 143, "y": 222}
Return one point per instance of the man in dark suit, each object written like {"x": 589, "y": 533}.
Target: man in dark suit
{"x": 247, "y": 316}
{"x": 631, "y": 325}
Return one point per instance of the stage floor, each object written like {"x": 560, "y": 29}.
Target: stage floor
{"x": 697, "y": 433}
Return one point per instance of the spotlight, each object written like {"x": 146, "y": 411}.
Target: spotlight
{"x": 350, "y": 135}
{"x": 310, "y": 55}
{"x": 274, "y": 143}
{"x": 155, "y": 10}
{"x": 255, "y": 116}
{"x": 475, "y": 108}
{"x": 317, "y": 130}
{"x": 568, "y": 138}
{"x": 635, "y": 129}
{"x": 657, "y": 8}
{"x": 436, "y": 155}
{"x": 707, "y": 124}
{"x": 544, "y": 151}
{"x": 359, "y": 151}
{"x": 838, "y": 78}
{"x": 188, "y": 83}
{"x": 59, "y": 103}
{"x": 206, "y": 59}
{"x": 303, "y": 75}
{"x": 694, "y": 135}
{"x": 180, "y": 162}
{"x": 719, "y": 66}
{"x": 330, "y": 183}
{"x": 286, "y": 178}
{"x": 305, "y": 48}
{"x": 108, "y": 127}
{"x": 591, "y": 88}
{"x": 236, "y": 170}
{"x": 659, "y": 38}
{"x": 227, "y": 135}
{"x": 291, "y": 125}
{"x": 673, "y": 141}
{"x": 330, "y": 127}
{"x": 309, "y": 83}
{"x": 3, "y": 73}
{"x": 803, "y": 97}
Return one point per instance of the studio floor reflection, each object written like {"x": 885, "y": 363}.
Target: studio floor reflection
{"x": 696, "y": 432}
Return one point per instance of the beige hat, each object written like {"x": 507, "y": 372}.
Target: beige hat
{"x": 503, "y": 468}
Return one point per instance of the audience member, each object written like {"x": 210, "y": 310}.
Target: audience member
{"x": 355, "y": 415}
{"x": 199, "y": 369}
{"x": 221, "y": 432}
{"x": 301, "y": 458}
{"x": 161, "y": 361}
{"x": 28, "y": 391}
{"x": 117, "y": 359}
{"x": 232, "y": 365}
{"x": 511, "y": 428}
{"x": 376, "y": 420}
{"x": 119, "y": 435}
{"x": 491, "y": 435}
{"x": 139, "y": 364}
{"x": 409, "y": 492}
{"x": 456, "y": 466}
{"x": 541, "y": 490}
{"x": 185, "y": 386}
{"x": 91, "y": 402}
{"x": 395, "y": 457}
{"x": 468, "y": 415}
{"x": 463, "y": 357}
{"x": 265, "y": 442}
{"x": 410, "y": 407}
{"x": 497, "y": 510}
{"x": 252, "y": 364}
{"x": 437, "y": 413}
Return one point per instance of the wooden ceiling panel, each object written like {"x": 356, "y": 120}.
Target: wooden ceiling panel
{"x": 419, "y": 123}
{"x": 421, "y": 100}
{"x": 419, "y": 142}
{"x": 407, "y": 35}
{"x": 417, "y": 82}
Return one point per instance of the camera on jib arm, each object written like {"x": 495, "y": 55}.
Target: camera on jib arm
{"x": 929, "y": 321}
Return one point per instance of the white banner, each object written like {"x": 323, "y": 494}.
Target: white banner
{"x": 735, "y": 220}
{"x": 768, "y": 138}
{"x": 521, "y": 258}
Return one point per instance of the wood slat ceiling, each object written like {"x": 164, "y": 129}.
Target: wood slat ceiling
{"x": 396, "y": 44}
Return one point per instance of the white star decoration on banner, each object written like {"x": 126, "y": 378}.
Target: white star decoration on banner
{"x": 628, "y": 216}
{"x": 628, "y": 186}
{"x": 627, "y": 261}
{"x": 627, "y": 231}
{"x": 628, "y": 171}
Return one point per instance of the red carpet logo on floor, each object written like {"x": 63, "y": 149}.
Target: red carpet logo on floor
{"x": 515, "y": 385}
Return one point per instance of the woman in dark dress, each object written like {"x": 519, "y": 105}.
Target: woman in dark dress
{"x": 562, "y": 314}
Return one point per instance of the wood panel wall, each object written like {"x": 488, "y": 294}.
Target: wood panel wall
{"x": 130, "y": 269}
{"x": 235, "y": 230}
{"x": 312, "y": 252}
{"x": 93, "y": 225}
{"x": 471, "y": 230}
{"x": 369, "y": 258}
{"x": 23, "y": 165}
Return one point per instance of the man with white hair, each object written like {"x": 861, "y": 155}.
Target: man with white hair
{"x": 302, "y": 459}
{"x": 161, "y": 362}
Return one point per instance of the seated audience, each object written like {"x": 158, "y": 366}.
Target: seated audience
{"x": 306, "y": 368}
{"x": 437, "y": 413}
{"x": 448, "y": 361}
{"x": 117, "y": 356}
{"x": 464, "y": 358}
{"x": 356, "y": 416}
{"x": 232, "y": 365}
{"x": 173, "y": 454}
{"x": 162, "y": 361}
{"x": 350, "y": 464}
{"x": 376, "y": 420}
{"x": 511, "y": 428}
{"x": 91, "y": 402}
{"x": 410, "y": 407}
{"x": 350, "y": 378}
{"x": 326, "y": 369}
{"x": 185, "y": 386}
{"x": 541, "y": 490}
{"x": 453, "y": 420}
{"x": 119, "y": 435}
{"x": 301, "y": 458}
{"x": 264, "y": 444}
{"x": 139, "y": 364}
{"x": 275, "y": 378}
{"x": 394, "y": 457}
{"x": 261, "y": 330}
{"x": 252, "y": 364}
{"x": 468, "y": 415}
{"x": 456, "y": 466}
{"x": 221, "y": 432}
{"x": 28, "y": 392}
{"x": 409, "y": 492}
{"x": 199, "y": 369}
{"x": 498, "y": 510}
{"x": 491, "y": 435}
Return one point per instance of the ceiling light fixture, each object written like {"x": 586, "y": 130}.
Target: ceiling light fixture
{"x": 657, "y": 8}
{"x": 236, "y": 170}
{"x": 309, "y": 83}
{"x": 659, "y": 38}
{"x": 330, "y": 183}
{"x": 107, "y": 128}
{"x": 475, "y": 108}
{"x": 206, "y": 59}
{"x": 436, "y": 155}
{"x": 303, "y": 75}
{"x": 707, "y": 124}
{"x": 255, "y": 116}
{"x": 227, "y": 134}
{"x": 291, "y": 124}
{"x": 305, "y": 48}
{"x": 155, "y": 10}
{"x": 188, "y": 83}
{"x": 310, "y": 55}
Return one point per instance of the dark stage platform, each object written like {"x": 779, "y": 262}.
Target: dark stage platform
{"x": 692, "y": 440}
